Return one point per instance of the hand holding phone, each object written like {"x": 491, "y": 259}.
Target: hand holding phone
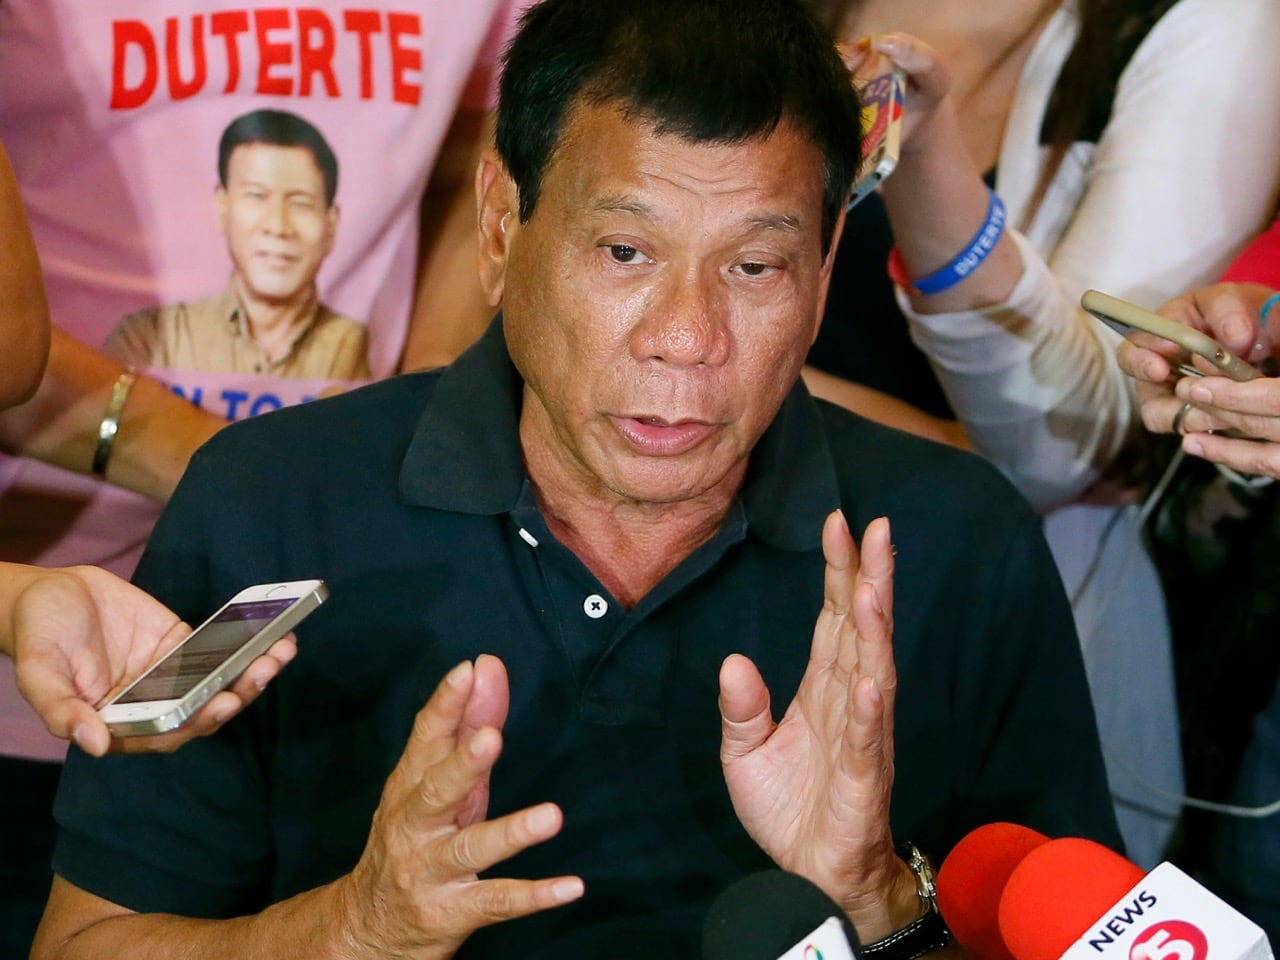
{"x": 881, "y": 94}
{"x": 1125, "y": 318}
{"x": 210, "y": 658}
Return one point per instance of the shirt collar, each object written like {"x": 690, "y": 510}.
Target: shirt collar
{"x": 230, "y": 307}
{"x": 465, "y": 454}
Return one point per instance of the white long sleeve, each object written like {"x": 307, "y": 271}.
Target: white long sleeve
{"x": 1184, "y": 173}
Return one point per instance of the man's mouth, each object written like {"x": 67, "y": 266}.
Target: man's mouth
{"x": 274, "y": 258}
{"x": 655, "y": 436}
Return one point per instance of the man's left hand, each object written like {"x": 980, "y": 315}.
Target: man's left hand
{"x": 813, "y": 790}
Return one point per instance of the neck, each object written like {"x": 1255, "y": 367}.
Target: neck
{"x": 272, "y": 323}
{"x": 628, "y": 544}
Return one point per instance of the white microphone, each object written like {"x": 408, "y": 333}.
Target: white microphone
{"x": 1074, "y": 899}
{"x": 775, "y": 915}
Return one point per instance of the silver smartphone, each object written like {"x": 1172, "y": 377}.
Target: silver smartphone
{"x": 211, "y": 657}
{"x": 881, "y": 97}
{"x": 1125, "y": 317}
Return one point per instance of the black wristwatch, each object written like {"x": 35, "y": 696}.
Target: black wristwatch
{"x": 921, "y": 936}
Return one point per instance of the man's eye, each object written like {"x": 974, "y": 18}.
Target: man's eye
{"x": 622, "y": 253}
{"x": 754, "y": 269}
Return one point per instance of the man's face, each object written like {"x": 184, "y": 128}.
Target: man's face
{"x": 278, "y": 227}
{"x": 659, "y": 303}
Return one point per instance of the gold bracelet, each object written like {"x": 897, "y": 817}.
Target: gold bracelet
{"x": 109, "y": 425}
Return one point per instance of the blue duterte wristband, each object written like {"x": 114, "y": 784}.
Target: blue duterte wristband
{"x": 968, "y": 260}
{"x": 1266, "y": 308}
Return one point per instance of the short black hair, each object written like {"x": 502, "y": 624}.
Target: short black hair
{"x": 709, "y": 71}
{"x": 279, "y": 128}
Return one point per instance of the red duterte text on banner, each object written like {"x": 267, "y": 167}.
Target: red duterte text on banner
{"x": 271, "y": 51}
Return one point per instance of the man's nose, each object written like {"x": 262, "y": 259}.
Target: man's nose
{"x": 689, "y": 327}
{"x": 277, "y": 217}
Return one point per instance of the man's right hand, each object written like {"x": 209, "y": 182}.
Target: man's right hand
{"x": 415, "y": 892}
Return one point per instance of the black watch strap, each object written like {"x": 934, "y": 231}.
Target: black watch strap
{"x": 917, "y": 938}
{"x": 923, "y": 935}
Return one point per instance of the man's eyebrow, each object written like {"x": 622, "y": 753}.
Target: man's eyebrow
{"x": 622, "y": 204}
{"x": 774, "y": 221}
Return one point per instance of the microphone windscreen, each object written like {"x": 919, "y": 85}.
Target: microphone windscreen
{"x": 764, "y": 915}
{"x": 1058, "y": 891}
{"x": 971, "y": 880}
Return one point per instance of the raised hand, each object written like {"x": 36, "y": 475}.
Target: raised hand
{"x": 813, "y": 789}
{"x": 415, "y": 892}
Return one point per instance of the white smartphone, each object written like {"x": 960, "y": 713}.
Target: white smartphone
{"x": 1125, "y": 317}
{"x": 211, "y": 657}
{"x": 881, "y": 98}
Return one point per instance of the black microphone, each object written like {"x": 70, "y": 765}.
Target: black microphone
{"x": 775, "y": 915}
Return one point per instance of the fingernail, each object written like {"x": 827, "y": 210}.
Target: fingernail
{"x": 1193, "y": 447}
{"x": 875, "y": 601}
{"x": 78, "y": 737}
{"x": 541, "y": 819}
{"x": 1236, "y": 330}
{"x": 475, "y": 746}
{"x": 454, "y": 677}
{"x": 569, "y": 888}
{"x": 876, "y": 695}
{"x": 260, "y": 683}
{"x": 1201, "y": 394}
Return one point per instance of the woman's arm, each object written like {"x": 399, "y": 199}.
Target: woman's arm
{"x": 158, "y": 431}
{"x": 24, "y": 312}
{"x": 1169, "y": 194}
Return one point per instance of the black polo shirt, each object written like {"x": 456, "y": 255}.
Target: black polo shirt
{"x": 410, "y": 498}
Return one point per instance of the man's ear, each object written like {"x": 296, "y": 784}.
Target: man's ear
{"x": 220, "y": 205}
{"x": 498, "y": 204}
{"x": 331, "y": 218}
{"x": 828, "y": 267}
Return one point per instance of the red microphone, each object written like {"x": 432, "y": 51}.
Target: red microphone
{"x": 1078, "y": 900}
{"x": 971, "y": 880}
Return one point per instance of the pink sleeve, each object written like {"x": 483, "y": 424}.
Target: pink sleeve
{"x": 1259, "y": 262}
{"x": 481, "y": 92}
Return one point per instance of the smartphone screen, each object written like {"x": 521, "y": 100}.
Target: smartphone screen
{"x": 205, "y": 650}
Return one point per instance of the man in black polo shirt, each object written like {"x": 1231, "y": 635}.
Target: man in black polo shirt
{"x": 618, "y": 510}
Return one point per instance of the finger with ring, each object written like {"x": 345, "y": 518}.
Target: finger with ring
{"x": 1180, "y": 416}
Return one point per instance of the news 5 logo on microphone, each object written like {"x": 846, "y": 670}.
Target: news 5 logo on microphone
{"x": 1011, "y": 893}
{"x": 1168, "y": 916}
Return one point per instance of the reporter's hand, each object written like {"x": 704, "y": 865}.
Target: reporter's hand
{"x": 80, "y": 634}
{"x": 813, "y": 789}
{"x": 1250, "y": 411}
{"x": 415, "y": 892}
{"x": 928, "y": 79}
{"x": 1229, "y": 313}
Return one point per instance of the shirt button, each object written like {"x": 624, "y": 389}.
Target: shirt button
{"x": 595, "y": 606}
